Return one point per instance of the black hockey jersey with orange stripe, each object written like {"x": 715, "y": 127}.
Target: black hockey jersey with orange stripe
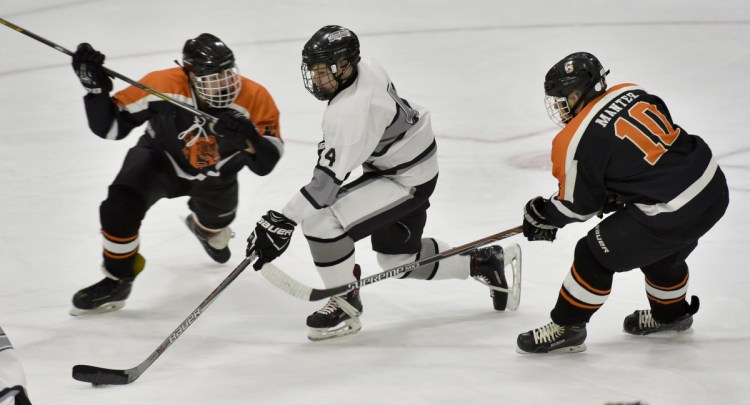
{"x": 193, "y": 153}
{"x": 625, "y": 144}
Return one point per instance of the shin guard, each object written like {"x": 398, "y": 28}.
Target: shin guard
{"x": 584, "y": 290}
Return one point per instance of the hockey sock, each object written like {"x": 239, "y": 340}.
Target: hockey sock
{"x": 584, "y": 290}
{"x": 666, "y": 289}
{"x": 121, "y": 215}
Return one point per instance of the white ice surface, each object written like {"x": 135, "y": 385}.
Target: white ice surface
{"x": 478, "y": 66}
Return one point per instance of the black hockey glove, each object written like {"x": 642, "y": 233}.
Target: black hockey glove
{"x": 270, "y": 238}
{"x": 236, "y": 129}
{"x": 535, "y": 225}
{"x": 88, "y": 65}
{"x": 612, "y": 203}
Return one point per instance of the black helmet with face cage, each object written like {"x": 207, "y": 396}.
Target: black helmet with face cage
{"x": 579, "y": 72}
{"x": 209, "y": 64}
{"x": 329, "y": 45}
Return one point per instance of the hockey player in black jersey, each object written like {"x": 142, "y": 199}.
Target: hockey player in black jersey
{"x": 619, "y": 151}
{"x": 179, "y": 155}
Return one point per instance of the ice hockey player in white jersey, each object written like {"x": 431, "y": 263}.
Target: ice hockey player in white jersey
{"x": 12, "y": 377}
{"x": 367, "y": 124}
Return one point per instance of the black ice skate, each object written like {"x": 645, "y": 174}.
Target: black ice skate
{"x": 552, "y": 338}
{"x": 642, "y": 323}
{"x": 216, "y": 245}
{"x": 104, "y": 296}
{"x": 324, "y": 323}
{"x": 488, "y": 267}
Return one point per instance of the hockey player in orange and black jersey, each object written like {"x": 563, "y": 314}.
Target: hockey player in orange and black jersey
{"x": 619, "y": 151}
{"x": 179, "y": 155}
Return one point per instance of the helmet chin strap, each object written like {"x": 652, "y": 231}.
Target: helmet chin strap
{"x": 342, "y": 84}
{"x": 574, "y": 108}
{"x": 199, "y": 102}
{"x": 582, "y": 98}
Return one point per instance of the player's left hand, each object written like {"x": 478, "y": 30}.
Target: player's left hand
{"x": 612, "y": 203}
{"x": 535, "y": 225}
{"x": 270, "y": 238}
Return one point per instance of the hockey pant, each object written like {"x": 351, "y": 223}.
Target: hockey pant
{"x": 618, "y": 244}
{"x": 146, "y": 177}
{"x": 392, "y": 215}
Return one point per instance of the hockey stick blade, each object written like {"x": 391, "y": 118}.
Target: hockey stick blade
{"x": 106, "y": 376}
{"x": 103, "y": 376}
{"x": 286, "y": 283}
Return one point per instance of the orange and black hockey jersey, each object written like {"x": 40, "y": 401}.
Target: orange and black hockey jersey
{"x": 186, "y": 140}
{"x": 625, "y": 144}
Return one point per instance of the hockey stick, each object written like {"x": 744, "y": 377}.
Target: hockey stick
{"x": 102, "y": 376}
{"x": 293, "y": 287}
{"x": 114, "y": 74}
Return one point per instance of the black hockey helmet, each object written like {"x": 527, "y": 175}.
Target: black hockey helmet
{"x": 329, "y": 46}
{"x": 206, "y": 54}
{"x": 210, "y": 65}
{"x": 579, "y": 72}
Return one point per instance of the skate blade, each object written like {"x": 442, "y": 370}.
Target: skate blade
{"x": 513, "y": 259}
{"x": 350, "y": 327}
{"x": 563, "y": 350}
{"x": 570, "y": 349}
{"x": 662, "y": 334}
{"x": 108, "y": 307}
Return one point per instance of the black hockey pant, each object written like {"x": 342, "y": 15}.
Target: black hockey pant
{"x": 619, "y": 243}
{"x": 145, "y": 177}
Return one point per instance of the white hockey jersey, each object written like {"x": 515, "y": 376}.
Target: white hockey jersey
{"x": 369, "y": 125}
{"x": 12, "y": 377}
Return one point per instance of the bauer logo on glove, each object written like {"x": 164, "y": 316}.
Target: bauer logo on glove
{"x": 274, "y": 229}
{"x": 270, "y": 238}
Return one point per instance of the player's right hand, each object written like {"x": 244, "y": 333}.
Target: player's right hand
{"x": 535, "y": 225}
{"x": 270, "y": 238}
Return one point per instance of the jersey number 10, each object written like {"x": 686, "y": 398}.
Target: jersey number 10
{"x": 647, "y": 115}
